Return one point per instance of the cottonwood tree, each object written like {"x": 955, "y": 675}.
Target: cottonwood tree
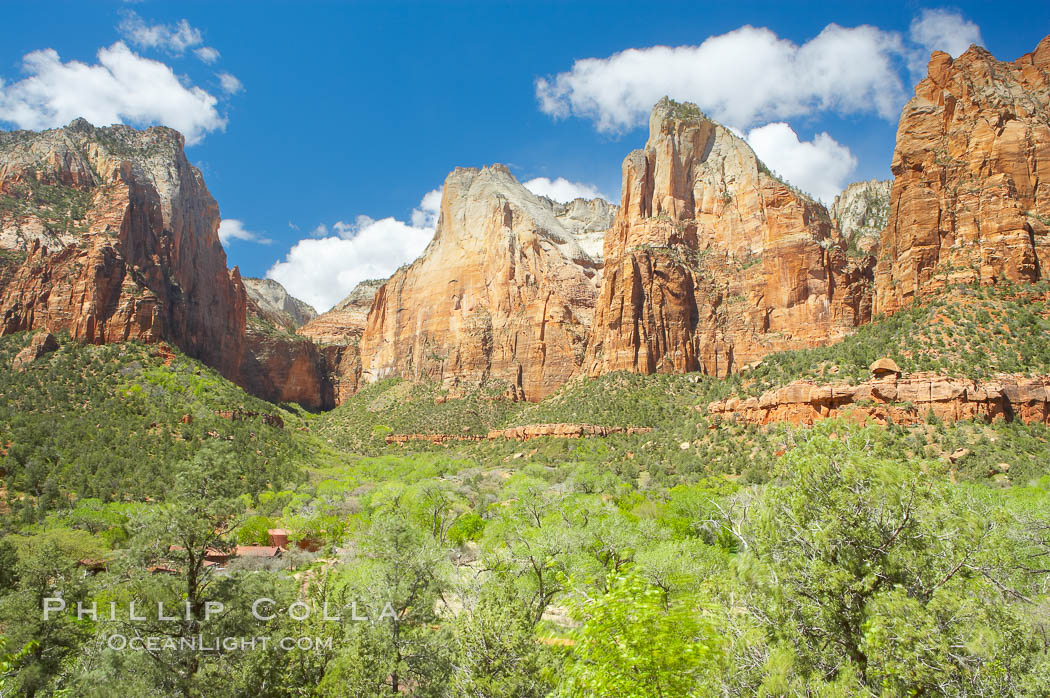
{"x": 632, "y": 644}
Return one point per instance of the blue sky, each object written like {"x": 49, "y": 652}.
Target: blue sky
{"x": 309, "y": 116}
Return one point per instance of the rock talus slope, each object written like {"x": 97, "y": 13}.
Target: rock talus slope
{"x": 504, "y": 291}
{"x": 713, "y": 262}
{"x": 971, "y": 194}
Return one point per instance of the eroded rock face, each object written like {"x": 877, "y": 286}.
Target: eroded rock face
{"x": 902, "y": 400}
{"x": 120, "y": 237}
{"x": 344, "y": 323}
{"x": 971, "y": 194}
{"x": 41, "y": 343}
{"x": 504, "y": 291}
{"x": 110, "y": 234}
{"x": 282, "y": 367}
{"x": 712, "y": 262}
{"x": 270, "y": 301}
{"x": 588, "y": 220}
{"x": 860, "y": 213}
{"x": 524, "y": 433}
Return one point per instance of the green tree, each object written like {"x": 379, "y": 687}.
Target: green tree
{"x": 397, "y": 581}
{"x": 632, "y": 645}
{"x": 882, "y": 565}
{"x": 495, "y": 653}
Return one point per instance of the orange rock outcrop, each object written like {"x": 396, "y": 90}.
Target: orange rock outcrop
{"x": 713, "y": 262}
{"x": 971, "y": 195}
{"x": 902, "y": 400}
{"x": 344, "y": 323}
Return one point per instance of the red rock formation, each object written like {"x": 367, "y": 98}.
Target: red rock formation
{"x": 904, "y": 400}
{"x": 139, "y": 256}
{"x": 120, "y": 241}
{"x": 342, "y": 369}
{"x": 971, "y": 198}
{"x": 563, "y": 431}
{"x": 283, "y": 367}
{"x": 713, "y": 262}
{"x": 503, "y": 291}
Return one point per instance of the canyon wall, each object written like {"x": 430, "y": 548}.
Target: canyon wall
{"x": 111, "y": 235}
{"x": 504, "y": 291}
{"x": 971, "y": 194}
{"x": 120, "y": 237}
{"x": 713, "y": 262}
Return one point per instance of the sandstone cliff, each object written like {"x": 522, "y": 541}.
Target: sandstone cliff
{"x": 971, "y": 194}
{"x": 860, "y": 213}
{"x": 120, "y": 237}
{"x": 282, "y": 367}
{"x": 269, "y": 300}
{"x": 345, "y": 322}
{"x": 111, "y": 235}
{"x": 504, "y": 291}
{"x": 713, "y": 262}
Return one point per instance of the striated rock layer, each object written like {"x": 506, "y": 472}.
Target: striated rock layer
{"x": 902, "y": 400}
{"x": 504, "y": 291}
{"x": 713, "y": 262}
{"x": 971, "y": 194}
{"x": 523, "y": 433}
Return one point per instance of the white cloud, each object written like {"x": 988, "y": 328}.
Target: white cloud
{"x": 230, "y": 84}
{"x": 172, "y": 38}
{"x": 232, "y": 229}
{"x": 820, "y": 167}
{"x": 429, "y": 208}
{"x": 122, "y": 88}
{"x": 744, "y": 77}
{"x": 941, "y": 30}
{"x": 207, "y": 54}
{"x": 563, "y": 190}
{"x": 322, "y": 271}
